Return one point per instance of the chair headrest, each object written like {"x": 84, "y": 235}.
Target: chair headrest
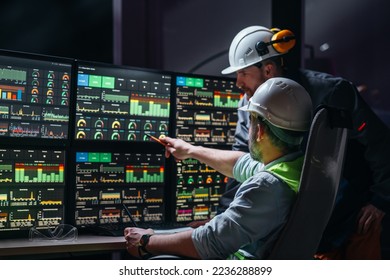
{"x": 338, "y": 117}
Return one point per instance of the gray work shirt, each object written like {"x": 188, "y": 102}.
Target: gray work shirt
{"x": 254, "y": 218}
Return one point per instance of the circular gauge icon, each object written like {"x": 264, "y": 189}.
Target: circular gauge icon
{"x": 115, "y": 136}
{"x": 99, "y": 124}
{"x": 132, "y": 137}
{"x": 51, "y": 76}
{"x": 35, "y": 83}
{"x": 148, "y": 126}
{"x": 209, "y": 180}
{"x": 132, "y": 126}
{"x": 81, "y": 135}
{"x": 163, "y": 127}
{"x": 35, "y": 74}
{"x": 98, "y": 136}
{"x": 81, "y": 123}
{"x": 146, "y": 138}
{"x": 116, "y": 125}
{"x": 190, "y": 181}
{"x": 65, "y": 85}
{"x": 50, "y": 92}
{"x": 180, "y": 181}
{"x": 50, "y": 84}
{"x": 65, "y": 77}
{"x": 49, "y": 101}
{"x": 34, "y": 91}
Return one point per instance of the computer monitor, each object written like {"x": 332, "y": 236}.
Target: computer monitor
{"x": 35, "y": 95}
{"x": 206, "y": 109}
{"x": 105, "y": 179}
{"x": 32, "y": 189}
{"x": 120, "y": 103}
{"x": 206, "y": 114}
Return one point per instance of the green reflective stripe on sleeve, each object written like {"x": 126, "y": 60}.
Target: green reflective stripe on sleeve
{"x": 289, "y": 172}
{"x": 238, "y": 256}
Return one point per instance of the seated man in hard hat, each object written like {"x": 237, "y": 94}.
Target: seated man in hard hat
{"x": 280, "y": 114}
{"x": 257, "y": 54}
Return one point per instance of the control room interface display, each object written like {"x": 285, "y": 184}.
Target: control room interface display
{"x": 206, "y": 110}
{"x": 118, "y": 104}
{"x": 32, "y": 186}
{"x": 206, "y": 114}
{"x": 34, "y": 98}
{"x": 110, "y": 104}
{"x": 106, "y": 180}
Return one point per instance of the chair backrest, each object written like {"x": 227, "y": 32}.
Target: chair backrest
{"x": 319, "y": 183}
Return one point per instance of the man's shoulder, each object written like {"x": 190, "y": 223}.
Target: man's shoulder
{"x": 327, "y": 89}
{"x": 262, "y": 179}
{"x": 320, "y": 78}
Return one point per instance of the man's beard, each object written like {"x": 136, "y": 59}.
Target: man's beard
{"x": 254, "y": 149}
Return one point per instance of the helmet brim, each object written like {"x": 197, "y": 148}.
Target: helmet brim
{"x": 232, "y": 69}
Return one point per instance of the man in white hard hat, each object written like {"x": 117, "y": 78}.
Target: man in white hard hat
{"x": 257, "y": 54}
{"x": 280, "y": 115}
{"x": 254, "y": 63}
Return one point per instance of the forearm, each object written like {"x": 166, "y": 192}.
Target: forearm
{"x": 221, "y": 160}
{"x": 179, "y": 244}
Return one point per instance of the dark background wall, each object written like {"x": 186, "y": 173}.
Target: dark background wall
{"x": 348, "y": 36}
{"x": 76, "y": 29}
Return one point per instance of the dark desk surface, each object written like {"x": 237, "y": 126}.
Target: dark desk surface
{"x": 84, "y": 243}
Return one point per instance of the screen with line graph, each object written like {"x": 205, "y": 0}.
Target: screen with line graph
{"x": 206, "y": 109}
{"x": 35, "y": 96}
{"x": 32, "y": 184}
{"x": 105, "y": 180}
{"x": 121, "y": 104}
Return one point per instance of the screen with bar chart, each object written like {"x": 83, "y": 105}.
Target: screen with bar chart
{"x": 206, "y": 109}
{"x": 206, "y": 114}
{"x": 32, "y": 184}
{"x": 105, "y": 180}
{"x": 35, "y": 96}
{"x": 121, "y": 104}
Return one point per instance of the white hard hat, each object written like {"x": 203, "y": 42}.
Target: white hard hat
{"x": 257, "y": 43}
{"x": 283, "y": 103}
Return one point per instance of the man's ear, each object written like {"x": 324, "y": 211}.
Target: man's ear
{"x": 269, "y": 70}
{"x": 259, "y": 133}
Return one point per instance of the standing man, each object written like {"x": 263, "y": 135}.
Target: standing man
{"x": 257, "y": 54}
{"x": 280, "y": 115}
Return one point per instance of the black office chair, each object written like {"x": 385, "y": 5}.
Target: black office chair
{"x": 320, "y": 179}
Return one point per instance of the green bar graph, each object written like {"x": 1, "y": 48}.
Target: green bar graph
{"x": 39, "y": 173}
{"x": 226, "y": 101}
{"x": 149, "y": 108}
{"x": 145, "y": 174}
